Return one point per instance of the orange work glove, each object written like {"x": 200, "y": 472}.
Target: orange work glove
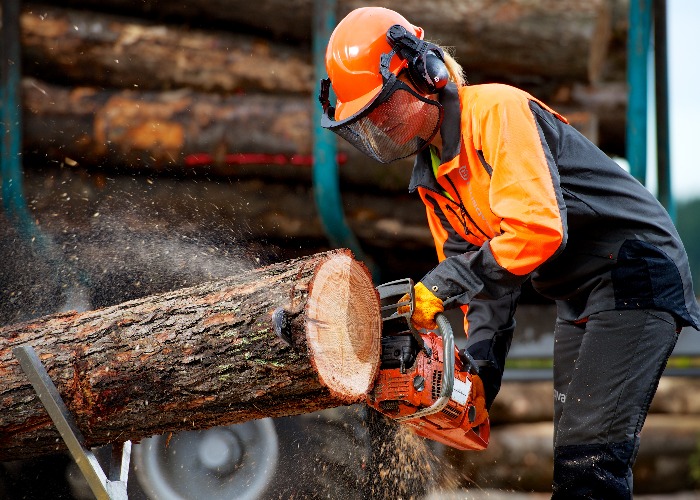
{"x": 478, "y": 400}
{"x": 426, "y": 308}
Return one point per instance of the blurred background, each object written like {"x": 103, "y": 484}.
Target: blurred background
{"x": 152, "y": 145}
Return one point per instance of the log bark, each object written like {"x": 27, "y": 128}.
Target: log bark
{"x": 555, "y": 38}
{"x": 198, "y": 357}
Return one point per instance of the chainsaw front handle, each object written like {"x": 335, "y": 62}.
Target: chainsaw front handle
{"x": 448, "y": 373}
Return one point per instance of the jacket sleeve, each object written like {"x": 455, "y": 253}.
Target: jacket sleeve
{"x": 524, "y": 193}
{"x": 488, "y": 324}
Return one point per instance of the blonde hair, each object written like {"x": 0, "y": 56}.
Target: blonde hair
{"x": 454, "y": 68}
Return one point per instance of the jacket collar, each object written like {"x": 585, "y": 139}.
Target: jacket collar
{"x": 450, "y": 131}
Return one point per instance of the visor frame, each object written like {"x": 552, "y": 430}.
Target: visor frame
{"x": 391, "y": 84}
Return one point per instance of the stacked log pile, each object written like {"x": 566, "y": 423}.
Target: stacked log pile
{"x": 146, "y": 90}
{"x": 224, "y": 89}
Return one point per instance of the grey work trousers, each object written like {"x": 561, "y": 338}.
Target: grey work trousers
{"x": 606, "y": 372}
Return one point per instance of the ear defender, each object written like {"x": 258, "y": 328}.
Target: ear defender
{"x": 426, "y": 61}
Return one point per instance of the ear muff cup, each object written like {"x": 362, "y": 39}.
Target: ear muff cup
{"x": 428, "y": 73}
{"x": 426, "y": 62}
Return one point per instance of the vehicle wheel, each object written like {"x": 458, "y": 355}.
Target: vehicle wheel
{"x": 325, "y": 454}
{"x": 318, "y": 455}
{"x": 219, "y": 463}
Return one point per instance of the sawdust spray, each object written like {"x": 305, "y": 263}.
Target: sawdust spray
{"x": 107, "y": 240}
{"x": 95, "y": 241}
{"x": 405, "y": 466}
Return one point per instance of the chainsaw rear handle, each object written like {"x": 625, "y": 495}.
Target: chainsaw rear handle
{"x": 448, "y": 371}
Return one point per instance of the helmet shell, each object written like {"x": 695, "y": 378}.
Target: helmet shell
{"x": 353, "y": 53}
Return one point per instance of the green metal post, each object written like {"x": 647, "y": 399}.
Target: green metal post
{"x": 663, "y": 147}
{"x": 638, "y": 39}
{"x": 325, "y": 165}
{"x": 70, "y": 279}
{"x": 10, "y": 118}
{"x": 11, "y": 173}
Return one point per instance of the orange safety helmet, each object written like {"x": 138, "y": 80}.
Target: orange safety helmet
{"x": 353, "y": 56}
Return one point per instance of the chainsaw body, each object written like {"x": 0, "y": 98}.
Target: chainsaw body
{"x": 422, "y": 382}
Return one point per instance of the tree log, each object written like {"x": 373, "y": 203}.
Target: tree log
{"x": 198, "y": 357}
{"x": 161, "y": 128}
{"x": 244, "y": 210}
{"x": 553, "y": 38}
{"x": 184, "y": 130}
{"x": 83, "y": 47}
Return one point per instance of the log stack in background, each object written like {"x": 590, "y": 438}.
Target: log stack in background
{"x": 561, "y": 39}
{"x": 236, "y": 77}
{"x": 223, "y": 90}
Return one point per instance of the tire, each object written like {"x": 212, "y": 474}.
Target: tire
{"x": 219, "y": 463}
{"x": 318, "y": 455}
{"x": 325, "y": 454}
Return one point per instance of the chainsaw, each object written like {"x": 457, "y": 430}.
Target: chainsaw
{"x": 422, "y": 381}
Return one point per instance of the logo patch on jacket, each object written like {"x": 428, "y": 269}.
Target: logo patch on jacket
{"x": 464, "y": 172}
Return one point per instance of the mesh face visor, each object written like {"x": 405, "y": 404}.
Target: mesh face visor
{"x": 396, "y": 124}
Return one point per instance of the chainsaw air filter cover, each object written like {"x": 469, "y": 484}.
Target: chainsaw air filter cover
{"x": 411, "y": 379}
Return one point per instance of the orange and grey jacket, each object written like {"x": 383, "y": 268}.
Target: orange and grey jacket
{"x": 520, "y": 193}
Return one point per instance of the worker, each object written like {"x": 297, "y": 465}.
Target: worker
{"x": 513, "y": 192}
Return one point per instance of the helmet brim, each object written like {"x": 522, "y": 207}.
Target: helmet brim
{"x": 345, "y": 110}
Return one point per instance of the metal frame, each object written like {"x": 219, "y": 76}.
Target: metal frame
{"x": 107, "y": 487}
{"x": 647, "y": 40}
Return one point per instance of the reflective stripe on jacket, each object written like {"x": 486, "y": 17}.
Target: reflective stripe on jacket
{"x": 530, "y": 196}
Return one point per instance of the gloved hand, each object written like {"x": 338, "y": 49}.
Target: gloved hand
{"x": 426, "y": 308}
{"x": 477, "y": 399}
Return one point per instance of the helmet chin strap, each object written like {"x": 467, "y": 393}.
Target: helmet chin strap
{"x": 324, "y": 96}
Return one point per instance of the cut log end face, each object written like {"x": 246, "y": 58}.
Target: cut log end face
{"x": 343, "y": 327}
